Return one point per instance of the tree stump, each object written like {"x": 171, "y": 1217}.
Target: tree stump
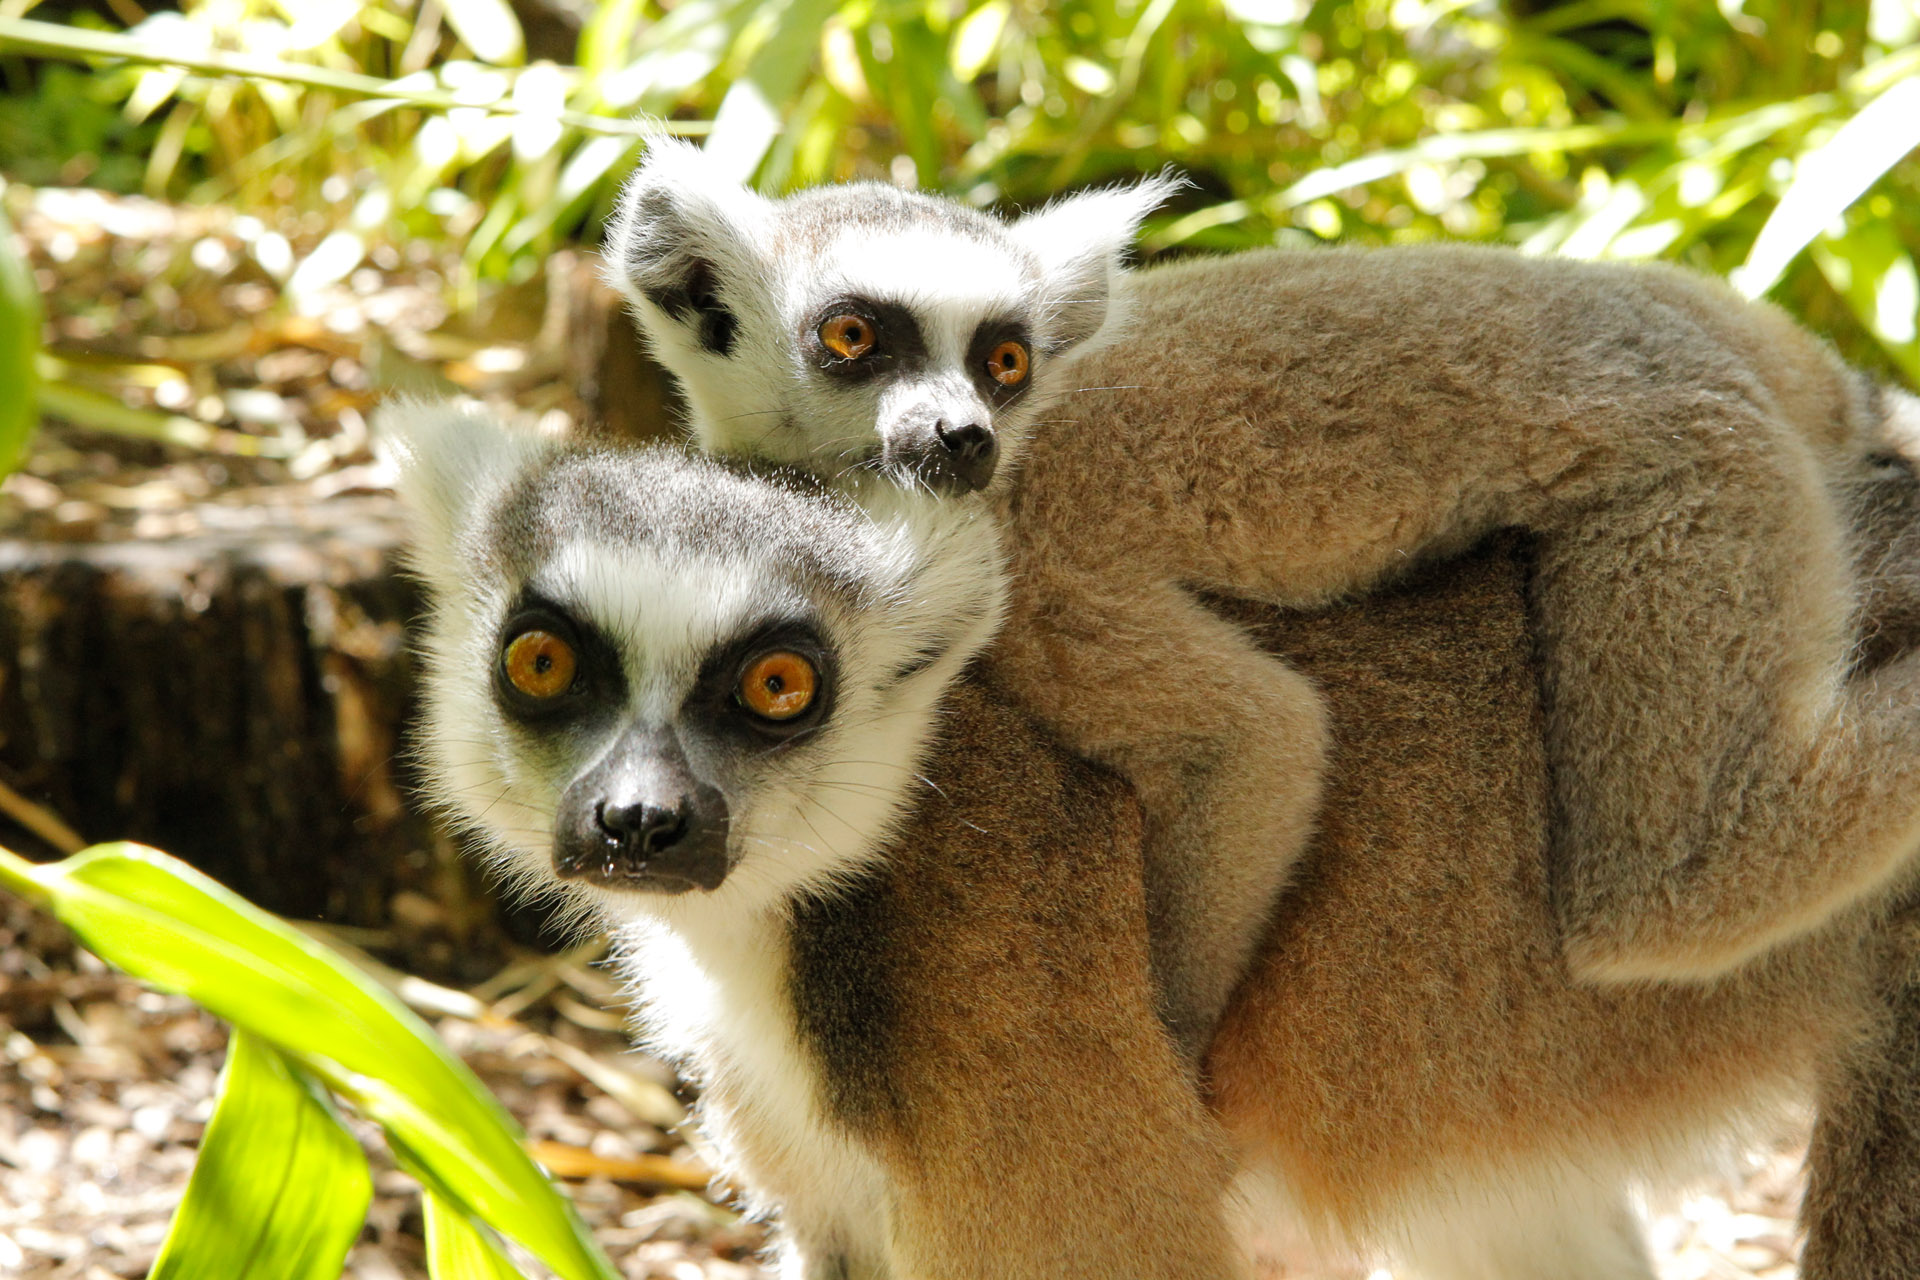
{"x": 234, "y": 696}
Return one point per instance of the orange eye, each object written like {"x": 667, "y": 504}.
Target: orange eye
{"x": 778, "y": 685}
{"x": 1007, "y": 364}
{"x": 848, "y": 336}
{"x": 540, "y": 664}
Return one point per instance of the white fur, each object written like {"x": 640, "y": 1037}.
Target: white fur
{"x": 710, "y": 992}
{"x": 950, "y": 283}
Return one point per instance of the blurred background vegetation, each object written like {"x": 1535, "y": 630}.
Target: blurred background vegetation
{"x": 1772, "y": 138}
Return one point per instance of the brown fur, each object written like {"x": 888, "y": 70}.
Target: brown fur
{"x": 980, "y": 1007}
{"x": 1297, "y": 427}
{"x": 1411, "y": 1044}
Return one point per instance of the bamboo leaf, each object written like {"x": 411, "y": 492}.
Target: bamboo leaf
{"x": 167, "y": 924}
{"x": 50, "y": 39}
{"x": 19, "y": 348}
{"x": 280, "y": 1188}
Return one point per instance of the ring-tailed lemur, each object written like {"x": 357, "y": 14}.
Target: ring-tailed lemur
{"x": 700, "y": 707}
{"x": 898, "y": 937}
{"x": 1298, "y": 426}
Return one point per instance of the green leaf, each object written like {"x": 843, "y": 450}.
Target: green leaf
{"x": 749, "y": 116}
{"x": 167, "y": 924}
{"x": 458, "y": 1250}
{"x": 19, "y": 345}
{"x": 1872, "y": 270}
{"x": 280, "y": 1187}
{"x": 1829, "y": 178}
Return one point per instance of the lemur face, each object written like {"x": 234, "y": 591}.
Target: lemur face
{"x": 656, "y": 680}
{"x": 863, "y": 327}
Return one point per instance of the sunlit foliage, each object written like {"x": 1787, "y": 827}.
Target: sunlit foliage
{"x": 1598, "y": 128}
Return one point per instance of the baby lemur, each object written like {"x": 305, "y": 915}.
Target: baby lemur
{"x": 1296, "y": 427}
{"x": 898, "y": 936}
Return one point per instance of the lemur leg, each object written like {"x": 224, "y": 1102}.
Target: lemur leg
{"x": 1224, "y": 745}
{"x": 1553, "y": 1232}
{"x": 1861, "y": 1214}
{"x": 1721, "y": 785}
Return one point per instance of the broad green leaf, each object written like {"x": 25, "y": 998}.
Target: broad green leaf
{"x": 169, "y": 925}
{"x": 488, "y": 28}
{"x": 458, "y": 1250}
{"x": 1829, "y": 178}
{"x": 19, "y": 345}
{"x": 280, "y": 1188}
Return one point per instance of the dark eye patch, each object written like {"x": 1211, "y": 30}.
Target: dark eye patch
{"x": 989, "y": 335}
{"x": 898, "y": 341}
{"x": 715, "y": 687}
{"x": 598, "y": 682}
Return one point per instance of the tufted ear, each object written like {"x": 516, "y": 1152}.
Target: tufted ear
{"x": 1081, "y": 242}
{"x": 682, "y": 229}
{"x": 450, "y": 459}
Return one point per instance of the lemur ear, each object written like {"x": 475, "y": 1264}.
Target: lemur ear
{"x": 1081, "y": 242}
{"x": 681, "y": 230}
{"x": 449, "y": 459}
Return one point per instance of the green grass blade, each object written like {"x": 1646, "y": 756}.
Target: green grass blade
{"x": 280, "y": 1188}
{"x": 458, "y": 1250}
{"x": 19, "y": 346}
{"x": 167, "y": 924}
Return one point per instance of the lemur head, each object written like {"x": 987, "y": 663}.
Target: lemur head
{"x": 864, "y": 326}
{"x": 658, "y": 682}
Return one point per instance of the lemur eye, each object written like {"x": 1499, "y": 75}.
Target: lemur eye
{"x": 847, "y": 336}
{"x": 1007, "y": 364}
{"x": 778, "y": 685}
{"x": 540, "y": 664}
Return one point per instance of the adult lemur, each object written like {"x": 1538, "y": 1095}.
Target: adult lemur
{"x": 1294, "y": 427}
{"x": 898, "y": 935}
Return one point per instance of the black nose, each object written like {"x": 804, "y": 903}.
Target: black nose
{"x": 969, "y": 454}
{"x": 970, "y": 443}
{"x": 643, "y": 829}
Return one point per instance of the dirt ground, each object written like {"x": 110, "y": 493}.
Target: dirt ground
{"x": 108, "y": 1087}
{"x": 255, "y": 393}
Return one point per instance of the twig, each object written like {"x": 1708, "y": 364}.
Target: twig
{"x": 565, "y": 1161}
{"x": 40, "y": 820}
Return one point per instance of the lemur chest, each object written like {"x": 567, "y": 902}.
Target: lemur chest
{"x": 717, "y": 1004}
